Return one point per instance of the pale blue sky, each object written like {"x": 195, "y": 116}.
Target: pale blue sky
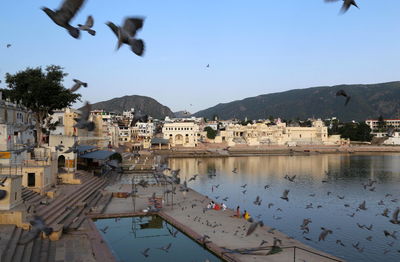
{"x": 253, "y": 47}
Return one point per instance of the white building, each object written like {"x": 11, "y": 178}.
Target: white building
{"x": 15, "y": 121}
{"x": 374, "y": 123}
{"x": 184, "y": 134}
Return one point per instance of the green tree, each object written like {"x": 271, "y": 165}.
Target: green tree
{"x": 41, "y": 91}
{"x": 356, "y": 132}
{"x": 211, "y": 133}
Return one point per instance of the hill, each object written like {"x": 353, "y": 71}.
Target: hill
{"x": 146, "y": 105}
{"x": 182, "y": 114}
{"x": 367, "y": 101}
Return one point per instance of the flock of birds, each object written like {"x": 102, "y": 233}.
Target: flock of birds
{"x": 368, "y": 186}
{"x": 126, "y": 34}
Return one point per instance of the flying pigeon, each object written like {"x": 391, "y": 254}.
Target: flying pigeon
{"x": 253, "y": 227}
{"x": 139, "y": 117}
{"x": 341, "y": 92}
{"x": 63, "y": 16}
{"x": 38, "y": 226}
{"x": 346, "y": 4}
{"x": 126, "y": 34}
{"x": 73, "y": 148}
{"x": 88, "y": 26}
{"x": 83, "y": 122}
{"x": 77, "y": 85}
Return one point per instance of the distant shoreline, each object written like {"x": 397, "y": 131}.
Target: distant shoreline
{"x": 273, "y": 150}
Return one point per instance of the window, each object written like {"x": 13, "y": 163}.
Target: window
{"x": 31, "y": 179}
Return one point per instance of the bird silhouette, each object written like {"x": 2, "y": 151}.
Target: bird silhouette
{"x": 285, "y": 195}
{"x": 77, "y": 85}
{"x": 88, "y": 26}
{"x": 145, "y": 252}
{"x": 126, "y": 34}
{"x": 346, "y": 4}
{"x": 253, "y": 227}
{"x": 388, "y": 234}
{"x": 325, "y": 232}
{"x": 63, "y": 16}
{"x": 341, "y": 92}
{"x": 38, "y": 226}
{"x": 83, "y": 122}
{"x": 166, "y": 248}
{"x": 395, "y": 217}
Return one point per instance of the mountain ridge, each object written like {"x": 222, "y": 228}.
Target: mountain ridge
{"x": 144, "y": 104}
{"x": 368, "y": 101}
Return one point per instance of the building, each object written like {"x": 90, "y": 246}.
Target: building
{"x": 124, "y": 134}
{"x": 374, "y": 123}
{"x": 15, "y": 132}
{"x": 65, "y": 123}
{"x": 277, "y": 133}
{"x": 185, "y": 133}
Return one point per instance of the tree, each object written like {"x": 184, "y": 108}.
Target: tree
{"x": 40, "y": 91}
{"x": 211, "y": 133}
{"x": 356, "y": 131}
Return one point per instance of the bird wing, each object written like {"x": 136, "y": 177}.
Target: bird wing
{"x": 341, "y": 92}
{"x": 69, "y": 9}
{"x": 74, "y": 87}
{"x": 131, "y": 25}
{"x": 86, "y": 111}
{"x": 113, "y": 27}
{"x": 345, "y": 7}
{"x": 251, "y": 229}
{"x": 396, "y": 214}
{"x": 89, "y": 21}
{"x": 347, "y": 100}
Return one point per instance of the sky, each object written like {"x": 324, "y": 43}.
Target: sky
{"x": 253, "y": 47}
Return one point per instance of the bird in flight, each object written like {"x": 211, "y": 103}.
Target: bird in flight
{"x": 77, "y": 85}
{"x": 341, "y": 92}
{"x": 88, "y": 26}
{"x": 285, "y": 195}
{"x": 83, "y": 122}
{"x": 126, "y": 34}
{"x": 346, "y": 4}
{"x": 8, "y": 45}
{"x": 63, "y": 16}
{"x": 253, "y": 227}
{"x": 38, "y": 226}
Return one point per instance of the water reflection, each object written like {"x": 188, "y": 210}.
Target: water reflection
{"x": 128, "y": 237}
{"x": 326, "y": 176}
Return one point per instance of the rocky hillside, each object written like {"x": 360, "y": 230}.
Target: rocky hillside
{"x": 367, "y": 101}
{"x": 146, "y": 105}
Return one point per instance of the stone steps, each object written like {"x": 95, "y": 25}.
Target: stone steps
{"x": 36, "y": 248}
{"x": 53, "y": 220}
{"x": 6, "y": 235}
{"x": 60, "y": 203}
{"x": 27, "y": 252}
{"x": 62, "y": 199}
{"x": 12, "y": 245}
{"x": 19, "y": 250}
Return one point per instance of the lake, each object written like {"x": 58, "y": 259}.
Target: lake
{"x": 332, "y": 183}
{"x": 129, "y": 236}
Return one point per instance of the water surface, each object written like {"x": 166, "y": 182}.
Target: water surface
{"x": 341, "y": 175}
{"x": 127, "y": 237}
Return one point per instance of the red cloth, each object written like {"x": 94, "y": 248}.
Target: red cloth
{"x": 217, "y": 207}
